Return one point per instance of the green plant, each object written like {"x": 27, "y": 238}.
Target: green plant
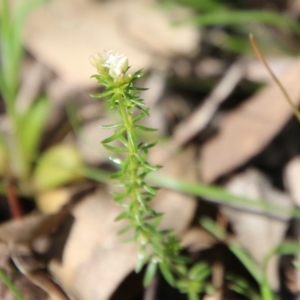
{"x": 25, "y": 125}
{"x": 135, "y": 193}
{"x": 210, "y": 192}
{"x": 233, "y": 20}
{"x": 19, "y": 149}
{"x": 10, "y": 285}
{"x": 160, "y": 249}
{"x": 241, "y": 285}
{"x": 238, "y": 284}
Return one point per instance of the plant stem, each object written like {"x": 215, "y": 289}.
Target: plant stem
{"x": 13, "y": 200}
{"x": 265, "y": 290}
{"x": 193, "y": 296}
{"x": 11, "y": 53}
{"x": 11, "y": 286}
{"x": 160, "y": 249}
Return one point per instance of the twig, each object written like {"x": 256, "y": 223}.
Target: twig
{"x": 274, "y": 77}
{"x": 13, "y": 200}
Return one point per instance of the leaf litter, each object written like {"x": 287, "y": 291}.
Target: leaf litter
{"x": 95, "y": 261}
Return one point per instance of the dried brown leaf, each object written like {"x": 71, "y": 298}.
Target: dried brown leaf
{"x": 28, "y": 228}
{"x": 196, "y": 239}
{"x": 95, "y": 260}
{"x": 291, "y": 179}
{"x": 257, "y": 230}
{"x": 64, "y": 33}
{"x": 249, "y": 128}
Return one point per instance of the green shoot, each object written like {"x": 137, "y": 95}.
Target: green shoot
{"x": 10, "y": 285}
{"x": 159, "y": 249}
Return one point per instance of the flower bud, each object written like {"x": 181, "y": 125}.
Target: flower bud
{"x": 97, "y": 61}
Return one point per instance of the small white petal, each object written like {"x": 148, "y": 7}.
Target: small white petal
{"x": 116, "y": 63}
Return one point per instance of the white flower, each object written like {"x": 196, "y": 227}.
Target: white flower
{"x": 116, "y": 63}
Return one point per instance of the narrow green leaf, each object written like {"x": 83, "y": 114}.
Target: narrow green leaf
{"x": 150, "y": 189}
{"x": 182, "y": 270}
{"x": 180, "y": 259}
{"x": 120, "y": 196}
{"x": 147, "y": 146}
{"x": 111, "y": 126}
{"x": 266, "y": 291}
{"x": 31, "y": 127}
{"x": 139, "y": 89}
{"x": 240, "y": 281}
{"x": 145, "y": 128}
{"x": 115, "y": 149}
{"x": 198, "y": 269}
{"x": 147, "y": 197}
{"x": 123, "y": 140}
{"x": 155, "y": 245}
{"x": 138, "y": 117}
{"x": 98, "y": 77}
{"x": 142, "y": 259}
{"x": 213, "y": 227}
{"x": 241, "y": 286}
{"x": 138, "y": 102}
{"x": 167, "y": 273}
{"x": 146, "y": 164}
{"x": 137, "y": 74}
{"x": 125, "y": 229}
{"x": 98, "y": 175}
{"x": 296, "y": 265}
{"x": 116, "y": 175}
{"x": 157, "y": 220}
{"x": 288, "y": 248}
{"x": 285, "y": 248}
{"x": 247, "y": 261}
{"x": 145, "y": 111}
{"x": 126, "y": 163}
{"x": 115, "y": 160}
{"x": 231, "y": 17}
{"x": 200, "y": 272}
{"x": 121, "y": 216}
{"x": 151, "y": 167}
{"x": 114, "y": 137}
{"x": 10, "y": 285}
{"x": 113, "y": 101}
{"x": 219, "y": 195}
{"x": 104, "y": 94}
{"x": 150, "y": 272}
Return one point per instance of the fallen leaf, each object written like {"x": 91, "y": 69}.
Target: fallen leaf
{"x": 245, "y": 131}
{"x": 30, "y": 227}
{"x": 291, "y": 179}
{"x": 197, "y": 239}
{"x": 257, "y": 230}
{"x": 51, "y": 201}
{"x": 64, "y": 33}
{"x": 17, "y": 237}
{"x": 35, "y": 272}
{"x": 95, "y": 260}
